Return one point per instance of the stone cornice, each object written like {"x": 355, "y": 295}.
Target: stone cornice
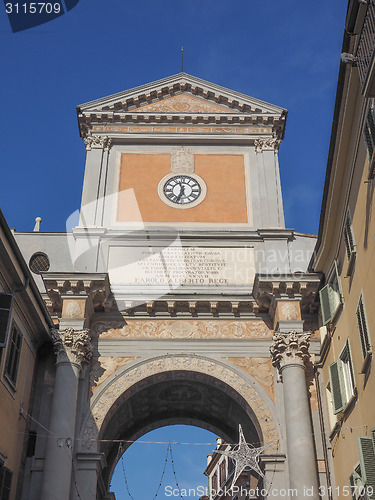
{"x": 299, "y": 286}
{"x": 72, "y": 346}
{"x": 76, "y": 285}
{"x": 290, "y": 348}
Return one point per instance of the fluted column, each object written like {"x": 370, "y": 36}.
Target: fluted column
{"x": 73, "y": 350}
{"x": 289, "y": 353}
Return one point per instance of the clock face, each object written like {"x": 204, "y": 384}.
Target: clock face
{"x": 182, "y": 189}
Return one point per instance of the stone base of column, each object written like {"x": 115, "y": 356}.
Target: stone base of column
{"x": 88, "y": 467}
{"x": 275, "y": 475}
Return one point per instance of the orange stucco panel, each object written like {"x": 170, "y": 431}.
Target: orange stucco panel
{"x": 224, "y": 176}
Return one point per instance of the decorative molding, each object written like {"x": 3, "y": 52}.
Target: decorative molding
{"x": 97, "y": 142}
{"x": 182, "y": 160}
{"x": 169, "y": 329}
{"x": 189, "y": 129}
{"x": 72, "y": 346}
{"x": 102, "y": 403}
{"x": 290, "y": 348}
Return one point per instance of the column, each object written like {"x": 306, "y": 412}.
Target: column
{"x": 73, "y": 350}
{"x": 289, "y": 353}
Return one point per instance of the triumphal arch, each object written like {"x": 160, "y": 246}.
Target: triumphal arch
{"x": 179, "y": 296}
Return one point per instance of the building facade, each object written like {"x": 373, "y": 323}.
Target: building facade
{"x": 345, "y": 255}
{"x": 179, "y": 296}
{"x": 24, "y": 337}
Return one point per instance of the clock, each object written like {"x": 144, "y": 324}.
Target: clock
{"x": 182, "y": 189}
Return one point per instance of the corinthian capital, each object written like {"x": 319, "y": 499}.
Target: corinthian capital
{"x": 290, "y": 348}
{"x": 97, "y": 142}
{"x": 73, "y": 346}
{"x": 266, "y": 144}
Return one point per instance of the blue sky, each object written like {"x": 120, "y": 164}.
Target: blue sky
{"x": 284, "y": 52}
{"x": 144, "y": 462}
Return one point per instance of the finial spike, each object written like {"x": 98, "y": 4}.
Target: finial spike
{"x": 182, "y": 59}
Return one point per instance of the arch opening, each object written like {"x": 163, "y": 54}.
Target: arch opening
{"x": 148, "y": 458}
{"x": 175, "y": 397}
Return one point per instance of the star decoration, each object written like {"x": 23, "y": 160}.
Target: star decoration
{"x": 244, "y": 455}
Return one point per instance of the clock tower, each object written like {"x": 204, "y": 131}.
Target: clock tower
{"x": 180, "y": 288}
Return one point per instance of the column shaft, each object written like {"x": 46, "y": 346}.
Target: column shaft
{"x": 58, "y": 460}
{"x": 300, "y": 443}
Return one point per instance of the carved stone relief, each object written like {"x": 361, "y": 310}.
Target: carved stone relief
{"x": 104, "y": 367}
{"x": 182, "y": 160}
{"x": 73, "y": 308}
{"x": 289, "y": 311}
{"x": 102, "y": 404}
{"x": 169, "y": 329}
{"x": 260, "y": 369}
{"x": 182, "y": 104}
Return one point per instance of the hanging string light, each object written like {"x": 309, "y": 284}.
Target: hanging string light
{"x": 168, "y": 454}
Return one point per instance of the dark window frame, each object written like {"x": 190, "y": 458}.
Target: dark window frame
{"x": 13, "y": 356}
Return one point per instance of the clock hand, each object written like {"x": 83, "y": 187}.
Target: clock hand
{"x": 182, "y": 192}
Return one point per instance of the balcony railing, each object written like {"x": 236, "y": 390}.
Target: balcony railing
{"x": 366, "y": 51}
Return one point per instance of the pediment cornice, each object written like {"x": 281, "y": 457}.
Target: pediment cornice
{"x": 180, "y": 98}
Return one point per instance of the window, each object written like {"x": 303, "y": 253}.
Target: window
{"x": 357, "y": 488}
{"x": 349, "y": 242}
{"x": 363, "y": 332}
{"x": 342, "y": 383}
{"x": 13, "y": 357}
{"x": 369, "y": 132}
{"x": 331, "y": 415}
{"x": 5, "y": 482}
{"x": 5, "y": 308}
{"x": 330, "y": 297}
{"x": 367, "y": 465}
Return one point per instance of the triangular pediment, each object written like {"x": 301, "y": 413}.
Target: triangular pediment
{"x": 182, "y": 103}
{"x": 180, "y": 98}
{"x": 149, "y": 95}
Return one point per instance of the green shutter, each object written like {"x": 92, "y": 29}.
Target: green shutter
{"x": 329, "y": 302}
{"x": 348, "y": 237}
{"x": 367, "y": 461}
{"x": 336, "y": 385}
{"x": 362, "y": 328}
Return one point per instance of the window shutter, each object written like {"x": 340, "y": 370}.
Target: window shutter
{"x": 329, "y": 302}
{"x": 13, "y": 356}
{"x": 362, "y": 328}
{"x": 368, "y": 142}
{"x": 367, "y": 461}
{"x": 7, "y": 483}
{"x": 5, "y": 308}
{"x": 356, "y": 484}
{"x": 369, "y": 132}
{"x": 348, "y": 237}
{"x": 335, "y": 376}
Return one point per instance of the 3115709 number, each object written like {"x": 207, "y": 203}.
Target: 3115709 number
{"x": 33, "y": 8}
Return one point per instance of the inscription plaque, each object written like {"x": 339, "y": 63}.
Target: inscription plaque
{"x": 177, "y": 266}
